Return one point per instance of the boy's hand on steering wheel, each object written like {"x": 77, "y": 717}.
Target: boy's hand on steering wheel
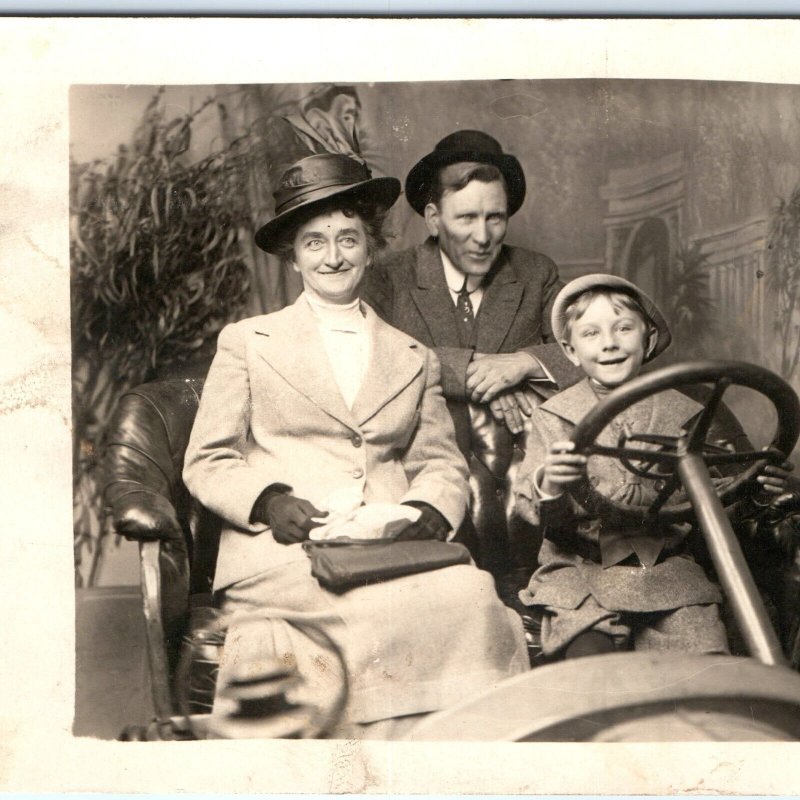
{"x": 774, "y": 478}
{"x": 290, "y": 518}
{"x": 430, "y": 525}
{"x": 562, "y": 467}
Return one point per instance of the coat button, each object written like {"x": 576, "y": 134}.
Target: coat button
{"x": 356, "y": 440}
{"x": 659, "y": 485}
{"x": 358, "y": 472}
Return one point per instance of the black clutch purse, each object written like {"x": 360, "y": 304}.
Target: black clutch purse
{"x": 339, "y": 566}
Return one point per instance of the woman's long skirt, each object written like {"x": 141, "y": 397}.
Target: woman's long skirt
{"x": 412, "y": 645}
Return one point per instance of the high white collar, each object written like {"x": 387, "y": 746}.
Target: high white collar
{"x": 341, "y": 316}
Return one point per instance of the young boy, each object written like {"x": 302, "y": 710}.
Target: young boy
{"x": 601, "y": 585}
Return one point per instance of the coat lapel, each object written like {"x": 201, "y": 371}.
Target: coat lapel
{"x": 669, "y": 411}
{"x": 432, "y": 297}
{"x": 291, "y": 344}
{"x": 573, "y": 403}
{"x": 394, "y": 362}
{"x": 501, "y": 299}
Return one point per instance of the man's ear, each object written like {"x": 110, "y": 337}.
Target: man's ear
{"x": 432, "y": 219}
{"x": 569, "y": 351}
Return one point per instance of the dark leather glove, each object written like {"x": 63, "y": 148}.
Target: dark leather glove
{"x": 144, "y": 516}
{"x": 430, "y": 525}
{"x": 289, "y": 517}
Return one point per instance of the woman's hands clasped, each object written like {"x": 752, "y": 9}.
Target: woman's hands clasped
{"x": 291, "y": 519}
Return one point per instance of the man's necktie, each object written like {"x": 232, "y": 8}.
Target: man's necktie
{"x": 466, "y": 316}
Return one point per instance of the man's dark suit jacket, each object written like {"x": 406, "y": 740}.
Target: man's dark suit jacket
{"x": 409, "y": 291}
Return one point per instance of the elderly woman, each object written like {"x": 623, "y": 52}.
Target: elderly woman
{"x": 320, "y": 402}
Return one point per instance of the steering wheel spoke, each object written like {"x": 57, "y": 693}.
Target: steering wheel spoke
{"x": 702, "y": 425}
{"x": 771, "y": 456}
{"x": 670, "y": 487}
{"x": 655, "y": 438}
{"x": 632, "y": 454}
{"x": 709, "y": 448}
{"x": 643, "y": 466}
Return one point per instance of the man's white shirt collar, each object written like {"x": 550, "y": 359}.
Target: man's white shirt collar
{"x": 455, "y": 281}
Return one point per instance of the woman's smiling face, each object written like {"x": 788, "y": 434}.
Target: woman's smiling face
{"x": 608, "y": 342}
{"x": 331, "y": 253}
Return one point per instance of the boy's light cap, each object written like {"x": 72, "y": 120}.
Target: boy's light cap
{"x": 600, "y": 280}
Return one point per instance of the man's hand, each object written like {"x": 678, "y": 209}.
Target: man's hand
{"x": 489, "y": 374}
{"x": 562, "y": 468}
{"x": 290, "y": 518}
{"x": 509, "y": 407}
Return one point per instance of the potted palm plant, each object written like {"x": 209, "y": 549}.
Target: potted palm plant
{"x": 156, "y": 270}
{"x": 688, "y": 303}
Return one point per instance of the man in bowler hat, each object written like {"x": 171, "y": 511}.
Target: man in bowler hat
{"x": 482, "y": 305}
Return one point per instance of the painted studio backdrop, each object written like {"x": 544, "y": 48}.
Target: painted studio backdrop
{"x": 691, "y": 189}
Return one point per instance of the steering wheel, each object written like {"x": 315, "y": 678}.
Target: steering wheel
{"x": 668, "y": 450}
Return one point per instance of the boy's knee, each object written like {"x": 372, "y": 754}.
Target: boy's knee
{"x": 691, "y": 629}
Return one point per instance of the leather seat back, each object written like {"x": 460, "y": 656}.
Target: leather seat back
{"x": 146, "y": 446}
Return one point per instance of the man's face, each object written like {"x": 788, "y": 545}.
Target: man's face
{"x": 471, "y": 225}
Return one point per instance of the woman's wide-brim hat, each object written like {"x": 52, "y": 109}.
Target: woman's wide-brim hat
{"x": 599, "y": 280}
{"x": 456, "y": 148}
{"x": 313, "y": 182}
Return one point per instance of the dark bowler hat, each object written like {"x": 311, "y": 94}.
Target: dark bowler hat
{"x": 318, "y": 178}
{"x": 464, "y": 146}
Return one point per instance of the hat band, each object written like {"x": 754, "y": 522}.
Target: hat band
{"x": 298, "y": 197}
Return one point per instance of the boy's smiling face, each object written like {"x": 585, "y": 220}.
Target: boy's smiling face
{"x": 609, "y": 342}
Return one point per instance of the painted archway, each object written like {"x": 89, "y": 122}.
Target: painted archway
{"x": 649, "y": 256}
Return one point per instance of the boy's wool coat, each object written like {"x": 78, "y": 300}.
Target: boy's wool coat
{"x": 668, "y": 578}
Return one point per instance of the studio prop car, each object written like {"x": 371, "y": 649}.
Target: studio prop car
{"x": 624, "y": 696}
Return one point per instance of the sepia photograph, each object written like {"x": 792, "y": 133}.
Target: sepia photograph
{"x": 418, "y": 417}
{"x": 248, "y": 237}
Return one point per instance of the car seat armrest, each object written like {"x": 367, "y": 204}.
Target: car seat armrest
{"x": 141, "y": 514}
